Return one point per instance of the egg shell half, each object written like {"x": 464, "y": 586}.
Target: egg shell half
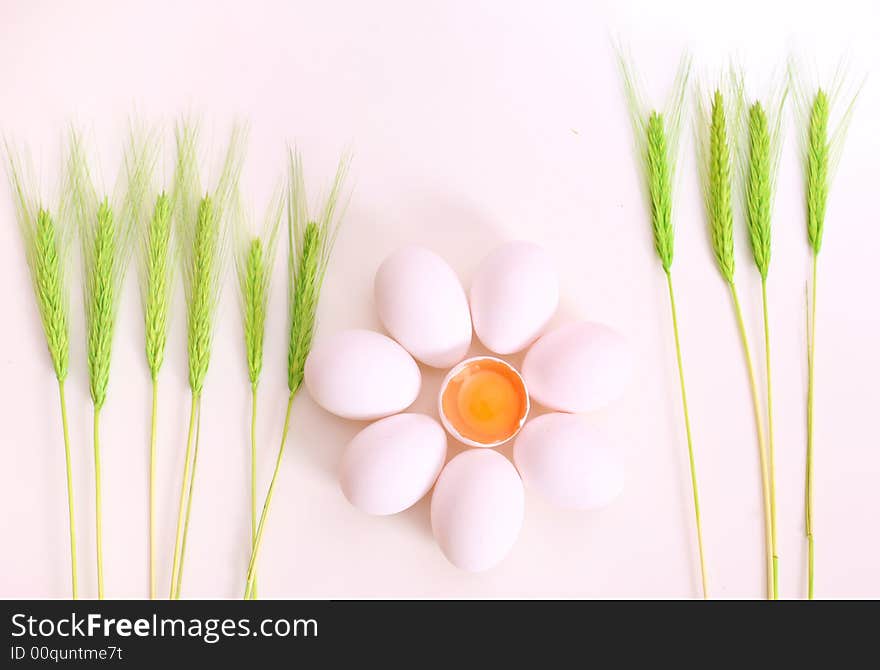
{"x": 391, "y": 464}
{"x": 422, "y": 305}
{"x": 514, "y": 295}
{"x": 580, "y": 367}
{"x": 361, "y": 374}
{"x": 569, "y": 462}
{"x": 477, "y": 509}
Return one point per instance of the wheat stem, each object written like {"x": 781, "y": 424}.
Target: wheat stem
{"x": 254, "y": 477}
{"x": 771, "y": 451}
{"x": 99, "y": 542}
{"x": 687, "y": 424}
{"x": 811, "y": 352}
{"x": 250, "y": 586}
{"x": 762, "y": 446}
{"x": 180, "y": 512}
{"x": 153, "y": 413}
{"x": 73, "y": 569}
{"x": 189, "y": 499}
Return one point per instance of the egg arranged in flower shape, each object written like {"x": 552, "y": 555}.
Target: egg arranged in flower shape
{"x": 484, "y": 401}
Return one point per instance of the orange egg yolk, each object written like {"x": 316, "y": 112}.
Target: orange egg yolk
{"x": 485, "y": 401}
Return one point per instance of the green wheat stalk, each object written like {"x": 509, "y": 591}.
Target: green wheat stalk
{"x": 105, "y": 243}
{"x": 203, "y": 227}
{"x": 310, "y": 243}
{"x": 822, "y": 144}
{"x": 47, "y": 246}
{"x": 152, "y": 214}
{"x": 105, "y": 233}
{"x": 657, "y": 137}
{"x": 762, "y": 122}
{"x": 254, "y": 263}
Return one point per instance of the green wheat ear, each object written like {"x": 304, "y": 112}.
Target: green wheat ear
{"x": 758, "y": 187}
{"x": 152, "y": 214}
{"x": 103, "y": 295}
{"x": 720, "y": 189}
{"x": 254, "y": 265}
{"x": 204, "y": 234}
{"x": 762, "y": 135}
{"x": 824, "y": 114}
{"x": 660, "y": 189}
{"x": 105, "y": 246}
{"x": 714, "y": 148}
{"x": 51, "y": 292}
{"x": 158, "y": 282}
{"x": 817, "y": 170}
{"x": 255, "y": 289}
{"x": 205, "y": 256}
{"x": 46, "y": 250}
{"x": 657, "y": 136}
{"x": 310, "y": 243}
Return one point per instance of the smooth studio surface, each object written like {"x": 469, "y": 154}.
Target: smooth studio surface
{"x": 471, "y": 124}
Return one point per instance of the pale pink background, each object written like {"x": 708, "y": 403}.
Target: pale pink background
{"x": 471, "y": 123}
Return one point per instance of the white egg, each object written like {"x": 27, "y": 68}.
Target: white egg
{"x": 568, "y": 461}
{"x": 513, "y": 296}
{"x": 391, "y": 464}
{"x": 422, "y": 305}
{"x": 580, "y": 367}
{"x": 477, "y": 509}
{"x": 360, "y": 374}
